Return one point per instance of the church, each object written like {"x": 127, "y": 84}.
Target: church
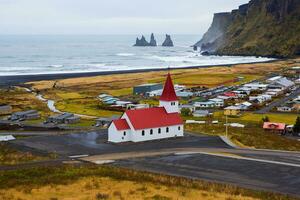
{"x": 150, "y": 123}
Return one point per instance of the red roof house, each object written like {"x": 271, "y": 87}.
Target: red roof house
{"x": 277, "y": 127}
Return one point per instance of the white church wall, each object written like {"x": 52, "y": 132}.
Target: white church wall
{"x": 116, "y": 136}
{"x": 174, "y": 131}
{"x": 170, "y": 106}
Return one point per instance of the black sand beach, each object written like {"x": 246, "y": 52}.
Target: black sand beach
{"x": 6, "y": 81}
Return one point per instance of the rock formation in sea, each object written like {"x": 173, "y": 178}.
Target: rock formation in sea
{"x": 152, "y": 41}
{"x": 141, "y": 42}
{"x": 259, "y": 28}
{"x": 168, "y": 41}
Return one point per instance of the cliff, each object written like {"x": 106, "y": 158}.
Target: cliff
{"x": 259, "y": 28}
{"x": 144, "y": 43}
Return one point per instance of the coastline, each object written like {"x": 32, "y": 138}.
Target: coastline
{"x": 12, "y": 80}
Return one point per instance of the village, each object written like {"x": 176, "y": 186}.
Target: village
{"x": 277, "y": 93}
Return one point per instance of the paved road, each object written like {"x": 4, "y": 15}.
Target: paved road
{"x": 245, "y": 173}
{"x": 94, "y": 143}
{"x": 279, "y": 102}
{"x": 197, "y": 157}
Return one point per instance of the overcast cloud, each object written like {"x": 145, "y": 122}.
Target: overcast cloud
{"x": 110, "y": 16}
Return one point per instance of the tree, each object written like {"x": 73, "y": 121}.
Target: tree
{"x": 186, "y": 112}
{"x": 266, "y": 119}
{"x": 296, "y": 128}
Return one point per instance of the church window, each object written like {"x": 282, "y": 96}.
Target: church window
{"x": 167, "y": 129}
{"x": 179, "y": 128}
{"x": 159, "y": 130}
{"x": 143, "y": 132}
{"x": 151, "y": 132}
{"x": 124, "y": 133}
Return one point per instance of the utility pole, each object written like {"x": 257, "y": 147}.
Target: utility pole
{"x": 226, "y": 126}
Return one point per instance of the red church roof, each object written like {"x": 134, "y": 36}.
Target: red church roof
{"x": 152, "y": 118}
{"x": 168, "y": 93}
{"x": 121, "y": 124}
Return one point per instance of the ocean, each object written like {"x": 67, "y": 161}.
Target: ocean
{"x": 48, "y": 54}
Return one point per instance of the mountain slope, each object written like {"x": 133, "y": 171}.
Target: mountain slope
{"x": 260, "y": 28}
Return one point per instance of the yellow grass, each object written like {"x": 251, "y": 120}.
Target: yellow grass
{"x": 108, "y": 188}
{"x": 274, "y": 117}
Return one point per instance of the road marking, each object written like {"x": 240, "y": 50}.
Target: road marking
{"x": 79, "y": 156}
{"x": 101, "y": 162}
{"x": 250, "y": 159}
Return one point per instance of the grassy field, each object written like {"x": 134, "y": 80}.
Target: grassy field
{"x": 11, "y": 156}
{"x": 93, "y": 182}
{"x": 251, "y": 136}
{"x": 21, "y": 100}
{"x": 78, "y": 95}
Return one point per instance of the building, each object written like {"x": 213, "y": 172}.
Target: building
{"x": 201, "y": 113}
{"x": 26, "y": 115}
{"x": 284, "y": 109}
{"x": 106, "y": 121}
{"x": 255, "y": 86}
{"x": 146, "y": 88}
{"x": 274, "y": 127}
{"x": 205, "y": 104}
{"x": 5, "y": 109}
{"x": 65, "y": 118}
{"x": 232, "y": 111}
{"x": 192, "y": 108}
{"x": 150, "y": 123}
{"x": 218, "y": 102}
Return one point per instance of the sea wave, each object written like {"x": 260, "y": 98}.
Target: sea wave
{"x": 125, "y": 54}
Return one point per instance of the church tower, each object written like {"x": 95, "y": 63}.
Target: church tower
{"x": 168, "y": 99}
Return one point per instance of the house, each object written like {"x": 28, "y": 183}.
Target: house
{"x": 245, "y": 105}
{"x": 284, "y": 82}
{"x": 231, "y": 95}
{"x": 205, "y": 104}
{"x": 106, "y": 121}
{"x": 5, "y": 109}
{"x": 241, "y": 94}
{"x": 284, "y": 109}
{"x": 232, "y": 111}
{"x": 123, "y": 103}
{"x": 187, "y": 106}
{"x": 150, "y": 123}
{"x": 218, "y": 102}
{"x": 255, "y": 86}
{"x": 274, "y": 127}
{"x": 102, "y": 96}
{"x": 137, "y": 106}
{"x": 260, "y": 98}
{"x": 144, "y": 89}
{"x": 273, "y": 79}
{"x": 201, "y": 113}
{"x": 26, "y": 115}
{"x": 64, "y": 118}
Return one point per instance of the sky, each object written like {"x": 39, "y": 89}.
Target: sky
{"x": 110, "y": 16}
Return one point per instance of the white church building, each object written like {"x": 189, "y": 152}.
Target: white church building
{"x": 150, "y": 123}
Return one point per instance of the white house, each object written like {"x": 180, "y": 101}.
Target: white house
{"x": 150, "y": 123}
{"x": 205, "y": 104}
{"x": 255, "y": 86}
{"x": 218, "y": 102}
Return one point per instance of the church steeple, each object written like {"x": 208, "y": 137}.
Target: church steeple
{"x": 168, "y": 99}
{"x": 168, "y": 93}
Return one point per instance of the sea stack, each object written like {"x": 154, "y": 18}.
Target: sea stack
{"x": 168, "y": 41}
{"x": 152, "y": 41}
{"x": 141, "y": 42}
